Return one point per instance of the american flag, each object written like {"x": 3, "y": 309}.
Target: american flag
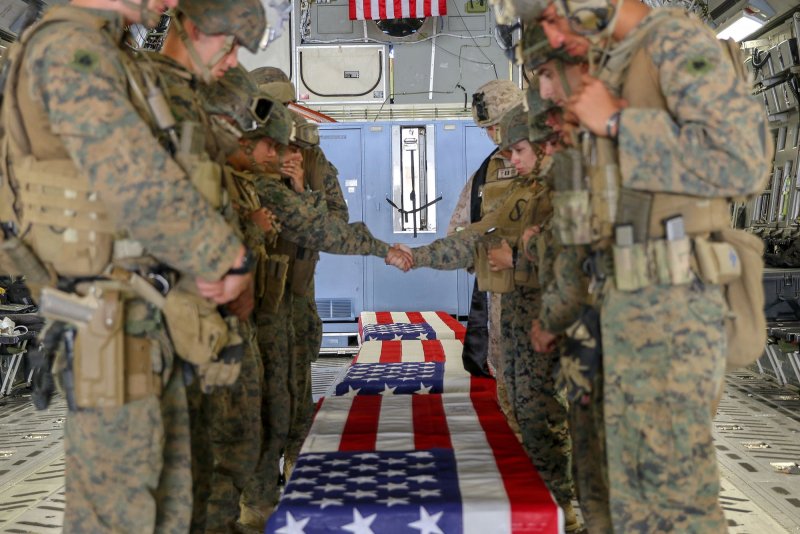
{"x": 437, "y": 363}
{"x": 444, "y": 326}
{"x": 386, "y": 465}
{"x": 396, "y": 9}
{"x": 397, "y": 331}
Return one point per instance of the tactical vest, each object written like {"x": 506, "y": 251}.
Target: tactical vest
{"x": 475, "y": 204}
{"x": 60, "y": 216}
{"x": 611, "y": 203}
{"x": 499, "y": 177}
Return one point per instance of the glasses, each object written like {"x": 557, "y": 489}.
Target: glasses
{"x": 481, "y": 109}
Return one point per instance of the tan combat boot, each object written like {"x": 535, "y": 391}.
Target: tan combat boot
{"x": 571, "y": 521}
{"x": 252, "y": 520}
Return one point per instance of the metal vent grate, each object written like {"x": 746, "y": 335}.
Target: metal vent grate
{"x": 335, "y": 309}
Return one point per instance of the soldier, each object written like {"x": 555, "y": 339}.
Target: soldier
{"x": 225, "y": 422}
{"x": 539, "y": 408}
{"x": 319, "y": 175}
{"x": 676, "y": 128}
{"x": 103, "y": 206}
{"x": 303, "y": 221}
{"x": 484, "y": 187}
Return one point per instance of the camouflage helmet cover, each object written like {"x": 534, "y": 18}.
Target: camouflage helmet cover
{"x": 306, "y": 132}
{"x": 513, "y": 126}
{"x": 244, "y": 19}
{"x": 493, "y": 99}
{"x": 507, "y": 11}
{"x": 263, "y": 75}
{"x": 534, "y": 50}
{"x": 538, "y": 112}
{"x": 275, "y": 83}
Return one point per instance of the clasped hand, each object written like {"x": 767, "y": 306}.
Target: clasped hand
{"x": 400, "y": 256}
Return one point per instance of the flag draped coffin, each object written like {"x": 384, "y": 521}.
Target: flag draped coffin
{"x": 410, "y": 367}
{"x": 374, "y": 326}
{"x": 414, "y": 463}
{"x": 396, "y": 9}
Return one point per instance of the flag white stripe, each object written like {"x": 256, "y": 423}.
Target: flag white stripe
{"x": 390, "y": 9}
{"x": 396, "y": 425}
{"x": 375, "y": 6}
{"x": 359, "y": 9}
{"x": 326, "y": 431}
{"x": 405, "y": 9}
{"x": 439, "y": 326}
{"x": 479, "y": 480}
{"x": 400, "y": 317}
{"x": 420, "y": 8}
{"x": 434, "y": 8}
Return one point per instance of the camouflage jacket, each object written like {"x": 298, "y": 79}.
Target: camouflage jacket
{"x": 306, "y": 221}
{"x": 78, "y": 79}
{"x": 322, "y": 175}
{"x": 712, "y": 139}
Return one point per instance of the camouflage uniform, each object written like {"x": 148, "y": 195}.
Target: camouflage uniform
{"x": 663, "y": 346}
{"x": 225, "y": 423}
{"x": 539, "y": 408}
{"x": 128, "y": 467}
{"x": 320, "y": 175}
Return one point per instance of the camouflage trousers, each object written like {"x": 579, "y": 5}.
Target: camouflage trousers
{"x": 275, "y": 334}
{"x": 128, "y": 468}
{"x": 226, "y": 441}
{"x": 589, "y": 459}
{"x": 663, "y": 363}
{"x": 538, "y": 407}
{"x": 307, "y": 342}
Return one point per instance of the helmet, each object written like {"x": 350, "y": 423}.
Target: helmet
{"x": 306, "y": 133}
{"x": 513, "y": 126}
{"x": 508, "y": 11}
{"x": 237, "y": 97}
{"x": 244, "y": 19}
{"x": 268, "y": 75}
{"x": 279, "y": 127}
{"x": 538, "y": 112}
{"x": 275, "y": 83}
{"x": 593, "y": 18}
{"x": 534, "y": 50}
{"x": 493, "y": 99}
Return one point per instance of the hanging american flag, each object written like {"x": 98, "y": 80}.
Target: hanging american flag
{"x": 386, "y": 465}
{"x": 396, "y": 9}
{"x": 443, "y": 325}
{"x": 409, "y": 367}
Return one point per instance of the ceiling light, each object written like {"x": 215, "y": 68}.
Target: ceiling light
{"x": 741, "y": 25}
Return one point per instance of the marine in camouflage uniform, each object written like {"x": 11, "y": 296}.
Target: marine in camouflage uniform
{"x": 127, "y": 466}
{"x": 320, "y": 175}
{"x": 689, "y": 129}
{"x": 225, "y": 422}
{"x": 303, "y": 220}
{"x": 539, "y": 408}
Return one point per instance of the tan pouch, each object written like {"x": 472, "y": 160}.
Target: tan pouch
{"x": 718, "y": 262}
{"x": 571, "y": 217}
{"x": 679, "y": 256}
{"x": 630, "y": 267}
{"x": 492, "y": 281}
{"x": 205, "y": 175}
{"x": 305, "y": 264}
{"x": 197, "y": 330}
{"x": 277, "y": 269}
{"x": 747, "y": 325}
{"x": 140, "y": 380}
{"x": 99, "y": 363}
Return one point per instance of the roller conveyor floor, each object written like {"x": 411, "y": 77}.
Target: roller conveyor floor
{"x": 757, "y": 425}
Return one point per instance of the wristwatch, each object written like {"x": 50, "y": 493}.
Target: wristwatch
{"x": 612, "y": 126}
{"x": 248, "y": 263}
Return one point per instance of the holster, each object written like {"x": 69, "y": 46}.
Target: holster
{"x": 275, "y": 276}
{"x": 305, "y": 263}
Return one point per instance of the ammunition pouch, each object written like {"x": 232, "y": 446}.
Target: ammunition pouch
{"x": 197, "y": 330}
{"x": 205, "y": 175}
{"x": 224, "y": 369}
{"x": 305, "y": 263}
{"x": 276, "y": 270}
{"x": 488, "y": 280}
{"x": 17, "y": 259}
{"x": 571, "y": 217}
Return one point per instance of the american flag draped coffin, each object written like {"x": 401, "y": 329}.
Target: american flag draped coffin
{"x": 411, "y": 464}
{"x": 410, "y": 367}
{"x": 395, "y": 326}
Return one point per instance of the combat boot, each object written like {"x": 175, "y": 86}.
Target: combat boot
{"x": 571, "y": 521}
{"x": 252, "y": 520}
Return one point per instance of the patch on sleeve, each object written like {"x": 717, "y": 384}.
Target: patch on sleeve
{"x": 84, "y": 60}
{"x": 699, "y": 65}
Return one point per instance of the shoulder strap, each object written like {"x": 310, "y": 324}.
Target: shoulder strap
{"x": 478, "y": 181}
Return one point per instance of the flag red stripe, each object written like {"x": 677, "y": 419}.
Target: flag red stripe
{"x": 353, "y": 17}
{"x": 442, "y": 8}
{"x": 430, "y": 423}
{"x": 391, "y": 352}
{"x": 361, "y": 428}
{"x": 433, "y": 350}
{"x": 457, "y": 327}
{"x": 382, "y": 9}
{"x": 398, "y": 9}
{"x": 527, "y": 494}
{"x": 483, "y": 384}
{"x": 415, "y": 317}
{"x": 367, "y": 9}
{"x": 383, "y": 317}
